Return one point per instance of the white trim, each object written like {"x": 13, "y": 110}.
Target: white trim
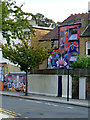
{"x": 87, "y": 47}
{"x": 85, "y": 30}
{"x": 46, "y": 28}
{"x": 65, "y": 96}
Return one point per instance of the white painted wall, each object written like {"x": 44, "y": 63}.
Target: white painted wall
{"x": 64, "y": 86}
{"x": 43, "y": 84}
{"x": 82, "y": 88}
{"x": 48, "y": 85}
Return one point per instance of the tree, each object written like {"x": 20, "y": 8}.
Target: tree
{"x": 14, "y": 21}
{"x": 44, "y": 21}
{"x": 27, "y": 54}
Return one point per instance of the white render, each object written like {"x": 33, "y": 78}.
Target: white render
{"x": 82, "y": 88}
{"x": 48, "y": 85}
{"x": 64, "y": 86}
{"x": 43, "y": 84}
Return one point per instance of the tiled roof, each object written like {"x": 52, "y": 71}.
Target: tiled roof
{"x": 76, "y": 18}
{"x": 86, "y": 32}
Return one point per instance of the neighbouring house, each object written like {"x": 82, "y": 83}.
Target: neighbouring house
{"x": 85, "y": 40}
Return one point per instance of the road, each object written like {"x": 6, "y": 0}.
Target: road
{"x": 24, "y": 108}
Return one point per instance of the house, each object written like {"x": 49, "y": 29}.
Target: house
{"x": 85, "y": 41}
{"x": 68, "y": 41}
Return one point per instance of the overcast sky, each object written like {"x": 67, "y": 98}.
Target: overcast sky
{"x": 57, "y": 10}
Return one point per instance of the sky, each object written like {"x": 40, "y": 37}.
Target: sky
{"x": 57, "y": 10}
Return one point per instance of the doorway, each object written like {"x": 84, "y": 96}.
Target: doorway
{"x": 59, "y": 86}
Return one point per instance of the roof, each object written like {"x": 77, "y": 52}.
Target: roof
{"x": 51, "y": 35}
{"x": 76, "y": 18}
{"x": 72, "y": 19}
{"x": 86, "y": 32}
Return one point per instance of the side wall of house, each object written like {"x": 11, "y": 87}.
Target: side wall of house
{"x": 82, "y": 42}
{"x": 40, "y": 32}
{"x": 11, "y": 68}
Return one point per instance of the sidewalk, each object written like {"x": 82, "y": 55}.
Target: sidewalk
{"x": 78, "y": 102}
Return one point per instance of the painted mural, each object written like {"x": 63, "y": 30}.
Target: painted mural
{"x": 1, "y": 73}
{"x": 68, "y": 47}
{"x": 15, "y": 82}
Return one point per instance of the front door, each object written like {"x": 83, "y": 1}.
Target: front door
{"x": 59, "y": 86}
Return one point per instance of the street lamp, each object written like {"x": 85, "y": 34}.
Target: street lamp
{"x": 68, "y": 84}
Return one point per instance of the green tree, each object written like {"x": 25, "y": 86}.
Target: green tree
{"x": 14, "y": 21}
{"x": 28, "y": 54}
{"x": 44, "y": 21}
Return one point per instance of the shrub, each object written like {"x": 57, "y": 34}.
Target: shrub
{"x": 83, "y": 62}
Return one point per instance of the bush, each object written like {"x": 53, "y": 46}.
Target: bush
{"x": 83, "y": 62}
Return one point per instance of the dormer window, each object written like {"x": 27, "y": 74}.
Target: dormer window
{"x": 73, "y": 35}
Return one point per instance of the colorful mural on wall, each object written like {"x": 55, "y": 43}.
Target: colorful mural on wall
{"x": 15, "y": 82}
{"x": 68, "y": 47}
{"x": 1, "y": 73}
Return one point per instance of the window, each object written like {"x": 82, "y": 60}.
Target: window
{"x": 88, "y": 48}
{"x": 55, "y": 43}
{"x": 62, "y": 34}
{"x": 73, "y": 34}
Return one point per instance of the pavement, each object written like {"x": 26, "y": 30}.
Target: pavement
{"x": 39, "y": 97}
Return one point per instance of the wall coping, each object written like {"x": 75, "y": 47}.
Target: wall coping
{"x": 74, "y": 72}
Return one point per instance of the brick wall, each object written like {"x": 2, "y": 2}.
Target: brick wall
{"x": 82, "y": 42}
{"x": 40, "y": 32}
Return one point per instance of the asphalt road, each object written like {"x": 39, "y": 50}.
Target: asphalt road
{"x": 24, "y": 108}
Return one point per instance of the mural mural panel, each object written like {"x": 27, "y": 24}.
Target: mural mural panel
{"x": 15, "y": 82}
{"x": 1, "y": 73}
{"x": 68, "y": 47}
